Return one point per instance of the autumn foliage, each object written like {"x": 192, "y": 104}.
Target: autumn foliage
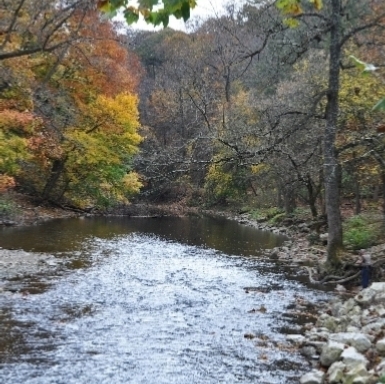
{"x": 69, "y": 120}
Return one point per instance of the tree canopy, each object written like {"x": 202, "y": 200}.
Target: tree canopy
{"x": 155, "y": 12}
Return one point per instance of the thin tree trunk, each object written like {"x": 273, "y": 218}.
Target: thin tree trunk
{"x": 312, "y": 197}
{"x": 331, "y": 169}
{"x": 383, "y": 197}
{"x": 56, "y": 171}
{"x": 357, "y": 197}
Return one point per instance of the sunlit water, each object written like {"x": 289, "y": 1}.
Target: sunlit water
{"x": 131, "y": 306}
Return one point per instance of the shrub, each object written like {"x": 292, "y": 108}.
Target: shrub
{"x": 8, "y": 209}
{"x": 358, "y": 233}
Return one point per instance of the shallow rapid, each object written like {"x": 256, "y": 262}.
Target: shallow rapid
{"x": 135, "y": 305}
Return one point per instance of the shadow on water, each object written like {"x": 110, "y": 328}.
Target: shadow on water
{"x": 212, "y": 232}
{"x": 152, "y": 301}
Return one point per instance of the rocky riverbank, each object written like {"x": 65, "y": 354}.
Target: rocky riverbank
{"x": 346, "y": 345}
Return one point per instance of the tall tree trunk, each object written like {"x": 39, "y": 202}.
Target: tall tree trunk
{"x": 312, "y": 196}
{"x": 56, "y": 171}
{"x": 289, "y": 199}
{"x": 383, "y": 196}
{"x": 357, "y": 197}
{"x": 331, "y": 169}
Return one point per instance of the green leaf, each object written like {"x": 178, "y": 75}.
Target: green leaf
{"x": 147, "y": 4}
{"x": 157, "y": 18}
{"x": 380, "y": 106}
{"x": 131, "y": 15}
{"x": 291, "y": 23}
{"x": 185, "y": 11}
{"x": 364, "y": 67}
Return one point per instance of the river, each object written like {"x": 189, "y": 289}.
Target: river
{"x": 152, "y": 301}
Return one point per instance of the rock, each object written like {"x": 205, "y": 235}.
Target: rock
{"x": 309, "y": 351}
{"x": 351, "y": 357}
{"x": 295, "y": 339}
{"x": 274, "y": 255}
{"x": 380, "y": 346}
{"x": 324, "y": 238}
{"x": 380, "y": 369}
{"x": 329, "y": 322}
{"x": 372, "y": 294}
{"x": 374, "y": 329}
{"x": 356, "y": 340}
{"x": 357, "y": 375}
{"x": 336, "y": 372}
{"x": 340, "y": 288}
{"x": 313, "y": 377}
{"x": 318, "y": 345}
{"x": 331, "y": 352}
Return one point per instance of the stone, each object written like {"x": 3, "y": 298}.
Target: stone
{"x": 329, "y": 322}
{"x": 380, "y": 369}
{"x": 336, "y": 372}
{"x": 372, "y": 294}
{"x": 331, "y": 352}
{"x": 380, "y": 346}
{"x": 313, "y": 377}
{"x": 351, "y": 357}
{"x": 309, "y": 351}
{"x": 374, "y": 328}
{"x": 354, "y": 339}
{"x": 318, "y": 345}
{"x": 295, "y": 339}
{"x": 357, "y": 375}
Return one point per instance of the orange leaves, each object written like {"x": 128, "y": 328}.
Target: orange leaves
{"x": 21, "y": 122}
{"x": 103, "y": 66}
{"x": 6, "y": 182}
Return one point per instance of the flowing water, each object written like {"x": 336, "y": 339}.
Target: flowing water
{"x": 152, "y": 301}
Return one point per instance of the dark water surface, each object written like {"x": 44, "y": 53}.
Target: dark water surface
{"x": 151, "y": 301}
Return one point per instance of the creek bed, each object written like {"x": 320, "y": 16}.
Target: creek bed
{"x": 171, "y": 300}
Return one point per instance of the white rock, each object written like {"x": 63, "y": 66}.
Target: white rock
{"x": 350, "y": 357}
{"x": 328, "y": 322}
{"x": 296, "y": 339}
{"x": 356, "y": 340}
{"x": 336, "y": 372}
{"x": 374, "y": 328}
{"x": 313, "y": 377}
{"x": 374, "y": 293}
{"x": 331, "y": 352}
{"x": 380, "y": 346}
{"x": 357, "y": 375}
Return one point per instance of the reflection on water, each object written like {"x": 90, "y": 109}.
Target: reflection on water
{"x": 65, "y": 235}
{"x": 150, "y": 301}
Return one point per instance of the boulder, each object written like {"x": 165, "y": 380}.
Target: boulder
{"x": 336, "y": 372}
{"x": 380, "y": 346}
{"x": 351, "y": 357}
{"x": 354, "y": 339}
{"x": 357, "y": 374}
{"x": 328, "y": 322}
{"x": 331, "y": 352}
{"x": 373, "y": 294}
{"x": 295, "y": 339}
{"x": 314, "y": 377}
{"x": 309, "y": 351}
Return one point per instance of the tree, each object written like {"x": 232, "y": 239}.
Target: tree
{"x": 28, "y": 26}
{"x": 342, "y": 22}
{"x": 61, "y": 113}
{"x": 155, "y": 12}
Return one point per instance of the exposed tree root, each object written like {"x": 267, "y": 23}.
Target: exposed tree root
{"x": 349, "y": 276}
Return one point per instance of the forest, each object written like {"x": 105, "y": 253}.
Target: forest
{"x": 274, "y": 107}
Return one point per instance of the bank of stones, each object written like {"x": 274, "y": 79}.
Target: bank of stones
{"x": 346, "y": 345}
